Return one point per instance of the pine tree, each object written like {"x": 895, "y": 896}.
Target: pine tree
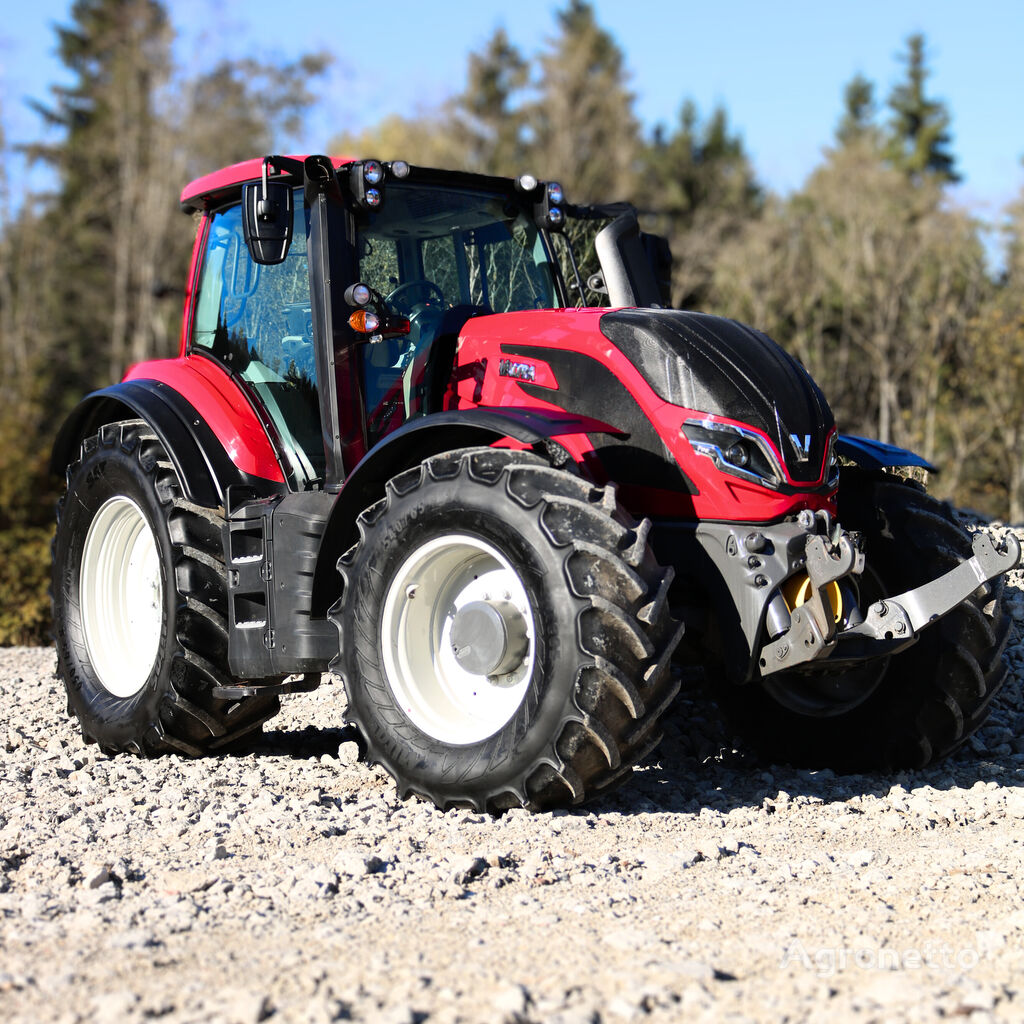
{"x": 700, "y": 186}
{"x": 27, "y": 491}
{"x": 585, "y": 131}
{"x": 858, "y": 120}
{"x": 489, "y": 123}
{"x": 241, "y": 108}
{"x": 82, "y": 262}
{"x": 919, "y": 136}
{"x": 699, "y": 166}
{"x": 118, "y": 52}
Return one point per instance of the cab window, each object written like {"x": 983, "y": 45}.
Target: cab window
{"x": 427, "y": 250}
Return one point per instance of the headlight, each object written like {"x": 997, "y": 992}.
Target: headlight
{"x": 736, "y": 451}
{"x": 832, "y": 462}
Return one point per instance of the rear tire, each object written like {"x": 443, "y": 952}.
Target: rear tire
{"x": 565, "y": 673}
{"x": 926, "y": 700}
{"x": 140, "y": 604}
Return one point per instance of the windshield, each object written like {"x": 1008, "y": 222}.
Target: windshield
{"x": 450, "y": 247}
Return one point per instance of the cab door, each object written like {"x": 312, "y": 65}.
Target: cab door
{"x": 255, "y": 320}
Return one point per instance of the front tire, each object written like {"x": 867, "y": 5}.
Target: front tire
{"x": 504, "y": 633}
{"x": 140, "y": 604}
{"x": 924, "y": 702}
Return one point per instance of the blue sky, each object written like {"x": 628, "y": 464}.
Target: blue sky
{"x": 778, "y": 68}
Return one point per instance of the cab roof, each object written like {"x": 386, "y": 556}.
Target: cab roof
{"x": 204, "y": 191}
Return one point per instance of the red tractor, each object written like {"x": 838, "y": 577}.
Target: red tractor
{"x": 393, "y": 447}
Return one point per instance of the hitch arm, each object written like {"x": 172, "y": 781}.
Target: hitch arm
{"x": 894, "y": 622}
{"x": 923, "y": 605}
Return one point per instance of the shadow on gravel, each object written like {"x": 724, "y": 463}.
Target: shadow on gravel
{"x": 301, "y": 743}
{"x": 700, "y": 764}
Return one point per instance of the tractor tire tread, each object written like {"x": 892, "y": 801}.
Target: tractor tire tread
{"x": 612, "y": 577}
{"x": 189, "y": 720}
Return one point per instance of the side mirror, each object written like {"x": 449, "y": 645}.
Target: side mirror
{"x": 267, "y": 209}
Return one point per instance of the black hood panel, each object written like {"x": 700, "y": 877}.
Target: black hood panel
{"x": 724, "y": 368}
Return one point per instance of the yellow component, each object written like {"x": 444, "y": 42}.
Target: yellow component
{"x": 797, "y": 590}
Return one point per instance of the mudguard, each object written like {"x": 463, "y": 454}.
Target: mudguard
{"x": 411, "y": 444}
{"x": 200, "y": 460}
{"x": 877, "y": 454}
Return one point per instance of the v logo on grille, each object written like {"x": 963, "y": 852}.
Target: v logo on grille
{"x": 802, "y": 446}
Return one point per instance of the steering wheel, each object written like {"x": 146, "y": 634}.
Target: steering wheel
{"x": 422, "y": 283}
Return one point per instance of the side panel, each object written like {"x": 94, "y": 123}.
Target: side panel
{"x": 271, "y": 549}
{"x": 222, "y": 406}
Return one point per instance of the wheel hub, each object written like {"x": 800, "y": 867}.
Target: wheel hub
{"x": 457, "y": 638}
{"x": 121, "y": 596}
{"x": 489, "y": 637}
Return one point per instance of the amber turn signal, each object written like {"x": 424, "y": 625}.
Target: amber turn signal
{"x": 364, "y": 321}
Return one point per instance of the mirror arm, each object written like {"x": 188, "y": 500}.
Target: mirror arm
{"x": 264, "y": 209}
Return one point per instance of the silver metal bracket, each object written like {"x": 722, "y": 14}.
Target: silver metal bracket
{"x": 889, "y": 625}
{"x": 917, "y": 608}
{"x": 827, "y": 563}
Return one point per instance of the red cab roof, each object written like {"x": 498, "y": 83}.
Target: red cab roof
{"x": 196, "y": 194}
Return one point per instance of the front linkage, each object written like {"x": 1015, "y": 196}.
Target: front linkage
{"x": 796, "y": 582}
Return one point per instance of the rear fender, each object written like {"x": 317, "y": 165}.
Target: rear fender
{"x": 418, "y": 440}
{"x": 200, "y": 460}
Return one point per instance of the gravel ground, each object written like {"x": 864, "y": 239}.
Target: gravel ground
{"x": 290, "y": 884}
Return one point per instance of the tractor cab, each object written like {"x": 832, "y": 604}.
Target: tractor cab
{"x": 432, "y": 257}
{"x": 335, "y": 295}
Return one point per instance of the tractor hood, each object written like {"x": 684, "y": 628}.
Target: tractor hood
{"x": 723, "y": 368}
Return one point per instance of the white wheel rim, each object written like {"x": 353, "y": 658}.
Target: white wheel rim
{"x": 439, "y": 696}
{"x": 121, "y": 597}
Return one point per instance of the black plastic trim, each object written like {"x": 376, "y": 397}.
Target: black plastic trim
{"x": 408, "y": 446}
{"x": 272, "y": 630}
{"x": 204, "y": 468}
{"x": 585, "y": 384}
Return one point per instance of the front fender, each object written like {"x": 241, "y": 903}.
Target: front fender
{"x": 870, "y": 454}
{"x": 411, "y": 444}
